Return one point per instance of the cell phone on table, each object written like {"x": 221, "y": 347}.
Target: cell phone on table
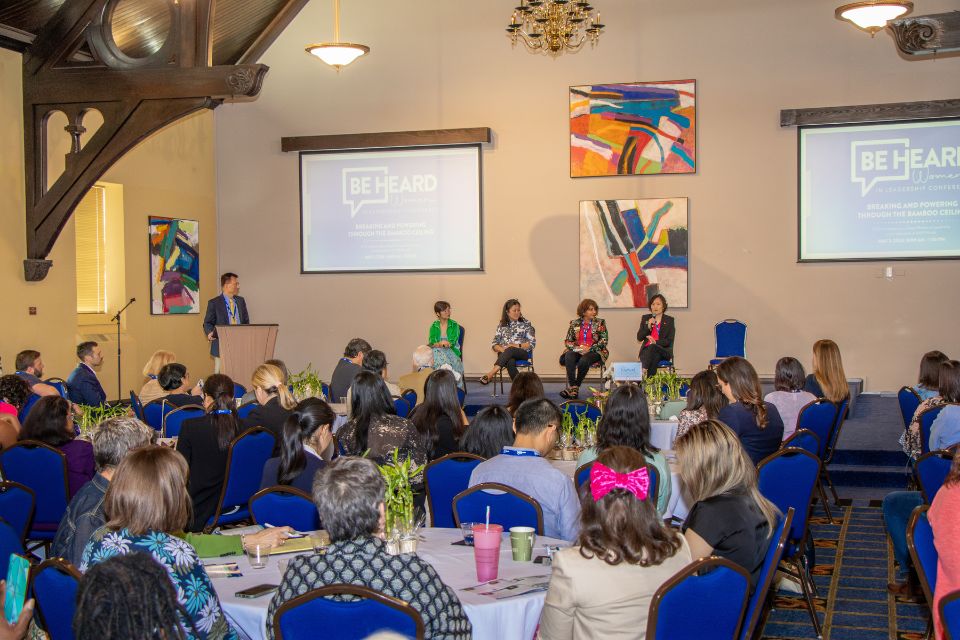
{"x": 17, "y": 573}
{"x": 257, "y": 591}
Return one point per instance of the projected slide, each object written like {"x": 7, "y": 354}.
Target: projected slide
{"x": 391, "y": 210}
{"x": 880, "y": 191}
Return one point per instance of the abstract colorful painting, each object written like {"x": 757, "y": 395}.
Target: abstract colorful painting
{"x": 631, "y": 250}
{"x": 174, "y": 266}
{"x": 633, "y": 129}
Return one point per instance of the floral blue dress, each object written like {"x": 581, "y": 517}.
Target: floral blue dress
{"x": 191, "y": 582}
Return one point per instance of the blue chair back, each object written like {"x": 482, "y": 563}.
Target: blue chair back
{"x": 17, "y": 503}
{"x": 950, "y": 615}
{"x": 10, "y": 542}
{"x": 582, "y": 475}
{"x": 60, "y": 385}
{"x": 768, "y": 570}
{"x": 365, "y": 614}
{"x": 27, "y": 405}
{"x": 173, "y": 421}
{"x": 461, "y": 396}
{"x": 136, "y": 405}
{"x": 155, "y": 411}
{"x": 931, "y": 470}
{"x": 402, "y": 407}
{"x": 803, "y": 439}
{"x": 730, "y": 339}
{"x": 579, "y": 409}
{"x": 819, "y": 417}
{"x": 508, "y": 507}
{"x": 54, "y": 583}
{"x": 245, "y": 410}
{"x": 325, "y": 390}
{"x": 238, "y": 390}
{"x": 285, "y": 507}
{"x": 837, "y": 426}
{"x": 460, "y": 338}
{"x": 443, "y": 479}
{"x": 410, "y": 396}
{"x": 909, "y": 400}
{"x": 926, "y": 425}
{"x": 922, "y": 551}
{"x": 248, "y": 454}
{"x": 43, "y": 469}
{"x": 788, "y": 479}
{"x": 706, "y": 601}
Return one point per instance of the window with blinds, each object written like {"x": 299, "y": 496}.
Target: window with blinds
{"x": 91, "y": 221}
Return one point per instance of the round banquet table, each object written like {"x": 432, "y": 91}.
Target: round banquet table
{"x": 513, "y": 618}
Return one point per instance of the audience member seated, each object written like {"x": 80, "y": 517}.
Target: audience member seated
{"x": 205, "y": 442}
{"x": 275, "y": 402}
{"x": 828, "y": 379}
{"x": 897, "y": 507}
{"x": 375, "y": 425}
{"x": 51, "y": 422}
{"x": 174, "y": 382}
{"x": 490, "y": 431}
{"x": 347, "y": 368}
{"x": 928, "y": 382}
{"x": 704, "y": 401}
{"x": 30, "y": 369}
{"x": 514, "y": 338}
{"x": 444, "y": 338}
{"x": 656, "y": 335}
{"x": 439, "y": 419}
{"x": 948, "y": 382}
{"x": 523, "y": 467}
{"x": 946, "y": 537}
{"x": 525, "y": 386}
{"x": 729, "y": 517}
{"x": 147, "y": 505}
{"x": 946, "y": 426}
{"x": 112, "y": 440}
{"x": 422, "y": 368}
{"x": 602, "y": 586}
{"x": 626, "y": 423}
{"x": 756, "y": 423}
{"x": 305, "y": 436}
{"x": 789, "y": 396}
{"x": 82, "y": 384}
{"x": 151, "y": 389}
{"x": 14, "y": 392}
{"x": 376, "y": 362}
{"x": 584, "y": 346}
{"x": 251, "y": 394}
{"x": 129, "y": 596}
{"x": 349, "y": 494}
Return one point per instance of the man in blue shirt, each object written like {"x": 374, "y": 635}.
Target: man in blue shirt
{"x": 30, "y": 369}
{"x": 524, "y": 468}
{"x": 83, "y": 385}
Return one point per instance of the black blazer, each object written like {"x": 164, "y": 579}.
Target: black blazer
{"x": 208, "y": 467}
{"x": 667, "y": 333}
{"x": 217, "y": 314}
{"x": 271, "y": 417}
{"x": 84, "y": 388}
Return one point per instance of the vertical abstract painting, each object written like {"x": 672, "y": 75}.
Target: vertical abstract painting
{"x": 640, "y": 128}
{"x": 174, "y": 266}
{"x": 631, "y": 250}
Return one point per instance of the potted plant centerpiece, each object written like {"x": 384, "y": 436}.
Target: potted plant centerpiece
{"x": 307, "y": 384}
{"x": 400, "y": 530}
{"x": 90, "y": 417}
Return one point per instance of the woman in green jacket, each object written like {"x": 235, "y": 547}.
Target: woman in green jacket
{"x": 444, "y": 339}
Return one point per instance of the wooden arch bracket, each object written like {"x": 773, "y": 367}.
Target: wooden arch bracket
{"x": 135, "y": 96}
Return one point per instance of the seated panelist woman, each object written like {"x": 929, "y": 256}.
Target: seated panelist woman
{"x": 515, "y": 336}
{"x": 656, "y": 335}
{"x": 585, "y": 346}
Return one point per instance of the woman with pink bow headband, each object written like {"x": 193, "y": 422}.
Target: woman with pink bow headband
{"x": 601, "y": 587}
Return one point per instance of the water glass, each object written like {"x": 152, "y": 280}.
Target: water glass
{"x": 258, "y": 555}
{"x": 466, "y": 529}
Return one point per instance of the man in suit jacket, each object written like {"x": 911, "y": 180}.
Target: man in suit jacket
{"x": 656, "y": 335}
{"x": 227, "y": 308}
{"x": 83, "y": 385}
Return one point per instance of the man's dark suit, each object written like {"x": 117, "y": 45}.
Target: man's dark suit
{"x": 217, "y": 314}
{"x": 84, "y": 387}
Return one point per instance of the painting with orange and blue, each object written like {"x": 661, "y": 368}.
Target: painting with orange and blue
{"x": 174, "y": 266}
{"x": 631, "y": 250}
{"x": 640, "y": 128}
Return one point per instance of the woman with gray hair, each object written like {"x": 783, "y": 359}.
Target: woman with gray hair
{"x": 349, "y": 495}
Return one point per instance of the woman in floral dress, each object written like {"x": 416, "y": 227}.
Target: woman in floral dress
{"x": 514, "y": 340}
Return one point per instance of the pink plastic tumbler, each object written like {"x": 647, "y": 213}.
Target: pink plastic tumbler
{"x": 486, "y": 550}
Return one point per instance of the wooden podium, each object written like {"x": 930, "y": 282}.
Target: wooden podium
{"x": 244, "y": 347}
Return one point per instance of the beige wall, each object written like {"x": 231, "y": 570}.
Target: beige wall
{"x": 170, "y": 174}
{"x": 448, "y": 65}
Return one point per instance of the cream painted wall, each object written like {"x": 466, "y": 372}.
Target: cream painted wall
{"x": 449, "y": 64}
{"x": 170, "y": 174}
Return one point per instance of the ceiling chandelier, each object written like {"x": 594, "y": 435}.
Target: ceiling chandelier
{"x": 554, "y": 26}
{"x": 873, "y": 15}
{"x": 337, "y": 54}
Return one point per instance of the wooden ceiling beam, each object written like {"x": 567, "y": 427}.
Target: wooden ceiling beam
{"x": 280, "y": 21}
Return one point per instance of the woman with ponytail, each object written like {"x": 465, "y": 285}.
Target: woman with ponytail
{"x": 757, "y": 423}
{"x": 205, "y": 443}
{"x": 275, "y": 402}
{"x": 306, "y": 435}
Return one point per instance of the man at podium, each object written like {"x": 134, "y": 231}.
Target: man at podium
{"x": 227, "y": 308}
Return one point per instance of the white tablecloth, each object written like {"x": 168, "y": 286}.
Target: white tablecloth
{"x": 663, "y": 433}
{"x": 511, "y": 619}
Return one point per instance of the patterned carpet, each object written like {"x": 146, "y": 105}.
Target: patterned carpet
{"x": 854, "y": 564}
